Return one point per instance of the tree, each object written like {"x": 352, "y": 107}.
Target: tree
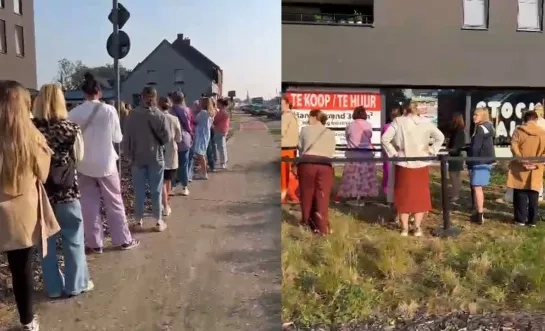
{"x": 66, "y": 71}
{"x": 70, "y": 74}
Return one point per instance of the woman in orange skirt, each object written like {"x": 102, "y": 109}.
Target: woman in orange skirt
{"x": 288, "y": 143}
{"x": 410, "y": 136}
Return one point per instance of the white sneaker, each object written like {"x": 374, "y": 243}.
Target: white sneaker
{"x": 166, "y": 211}
{"x": 404, "y": 233}
{"x": 160, "y": 226}
{"x": 185, "y": 191}
{"x": 139, "y": 223}
{"x": 418, "y": 232}
{"x": 32, "y": 326}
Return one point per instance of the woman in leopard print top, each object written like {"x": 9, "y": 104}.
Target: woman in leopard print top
{"x": 64, "y": 138}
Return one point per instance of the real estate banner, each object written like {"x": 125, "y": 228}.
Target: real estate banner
{"x": 338, "y": 106}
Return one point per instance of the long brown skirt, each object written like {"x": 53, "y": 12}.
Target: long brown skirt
{"x": 412, "y": 190}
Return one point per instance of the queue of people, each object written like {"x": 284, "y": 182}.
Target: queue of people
{"x": 407, "y": 183}
{"x": 57, "y": 167}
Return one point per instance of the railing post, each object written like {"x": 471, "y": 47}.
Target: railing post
{"x": 447, "y": 230}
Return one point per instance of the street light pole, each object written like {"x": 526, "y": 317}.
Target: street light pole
{"x": 116, "y": 69}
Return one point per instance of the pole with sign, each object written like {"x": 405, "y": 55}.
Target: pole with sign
{"x": 118, "y": 46}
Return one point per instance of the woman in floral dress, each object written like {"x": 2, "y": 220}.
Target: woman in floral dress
{"x": 359, "y": 178}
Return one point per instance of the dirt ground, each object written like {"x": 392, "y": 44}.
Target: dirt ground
{"x": 217, "y": 267}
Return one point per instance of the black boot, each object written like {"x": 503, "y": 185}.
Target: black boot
{"x": 479, "y": 218}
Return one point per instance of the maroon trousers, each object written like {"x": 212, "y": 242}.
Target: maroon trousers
{"x": 315, "y": 184}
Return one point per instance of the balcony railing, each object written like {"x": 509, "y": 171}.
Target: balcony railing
{"x": 328, "y": 19}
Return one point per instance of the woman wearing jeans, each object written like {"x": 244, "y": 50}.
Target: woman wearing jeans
{"x": 221, "y": 129}
{"x": 26, "y": 218}
{"x": 146, "y": 134}
{"x": 185, "y": 155}
{"x": 98, "y": 177}
{"x": 64, "y": 137}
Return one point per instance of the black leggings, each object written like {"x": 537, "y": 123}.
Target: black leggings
{"x": 23, "y": 282}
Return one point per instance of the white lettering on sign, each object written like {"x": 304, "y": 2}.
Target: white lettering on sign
{"x": 334, "y": 101}
{"x": 510, "y": 117}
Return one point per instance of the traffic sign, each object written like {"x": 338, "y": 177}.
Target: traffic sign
{"x": 124, "y": 45}
{"x": 123, "y": 16}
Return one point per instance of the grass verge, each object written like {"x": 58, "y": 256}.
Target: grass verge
{"x": 365, "y": 269}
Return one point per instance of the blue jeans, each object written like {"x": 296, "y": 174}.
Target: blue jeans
{"x": 76, "y": 273}
{"x": 153, "y": 176}
{"x": 183, "y": 168}
{"x": 221, "y": 145}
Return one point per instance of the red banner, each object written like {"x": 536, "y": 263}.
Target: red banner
{"x": 334, "y": 100}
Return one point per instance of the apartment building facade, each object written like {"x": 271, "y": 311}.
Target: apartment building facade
{"x": 448, "y": 55}
{"x": 17, "y": 42}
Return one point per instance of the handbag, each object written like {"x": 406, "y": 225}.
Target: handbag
{"x": 61, "y": 176}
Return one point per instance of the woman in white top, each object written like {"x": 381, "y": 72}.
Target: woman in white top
{"x": 410, "y": 136}
{"x": 97, "y": 171}
{"x": 171, "y": 152}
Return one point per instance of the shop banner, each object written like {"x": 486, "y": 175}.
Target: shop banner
{"x": 337, "y": 106}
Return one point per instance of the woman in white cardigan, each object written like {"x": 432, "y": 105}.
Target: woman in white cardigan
{"x": 410, "y": 136}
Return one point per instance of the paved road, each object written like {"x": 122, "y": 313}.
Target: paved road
{"x": 217, "y": 267}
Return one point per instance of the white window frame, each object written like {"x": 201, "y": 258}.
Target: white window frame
{"x": 539, "y": 28}
{"x": 18, "y": 7}
{"x": 179, "y": 76}
{"x": 2, "y": 4}
{"x": 3, "y": 37}
{"x": 471, "y": 25}
{"x": 19, "y": 40}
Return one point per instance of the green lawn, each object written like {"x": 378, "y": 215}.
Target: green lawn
{"x": 366, "y": 269}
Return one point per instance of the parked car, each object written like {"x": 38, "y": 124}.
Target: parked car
{"x": 273, "y": 112}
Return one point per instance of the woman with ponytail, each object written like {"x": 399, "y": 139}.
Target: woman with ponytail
{"x": 98, "y": 176}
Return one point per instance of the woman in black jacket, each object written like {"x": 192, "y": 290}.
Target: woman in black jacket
{"x": 455, "y": 146}
{"x": 481, "y": 145}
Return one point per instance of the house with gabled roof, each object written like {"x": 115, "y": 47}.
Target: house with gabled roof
{"x": 174, "y": 66}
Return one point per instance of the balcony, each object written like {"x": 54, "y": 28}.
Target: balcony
{"x": 327, "y": 14}
{"x": 327, "y": 19}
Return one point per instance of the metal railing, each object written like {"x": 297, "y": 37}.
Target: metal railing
{"x": 331, "y": 19}
{"x": 447, "y": 229}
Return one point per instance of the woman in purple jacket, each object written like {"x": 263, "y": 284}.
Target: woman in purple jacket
{"x": 185, "y": 155}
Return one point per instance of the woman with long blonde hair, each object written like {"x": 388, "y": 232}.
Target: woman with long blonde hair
{"x": 26, "y": 218}
{"x": 203, "y": 122}
{"x": 65, "y": 139}
{"x": 481, "y": 145}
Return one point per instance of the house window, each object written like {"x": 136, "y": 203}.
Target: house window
{"x": 530, "y": 15}
{"x": 2, "y": 4}
{"x": 179, "y": 76}
{"x": 18, "y": 7}
{"x": 3, "y": 48}
{"x": 136, "y": 99}
{"x": 331, "y": 14}
{"x": 19, "y": 41}
{"x": 475, "y": 14}
{"x": 152, "y": 79}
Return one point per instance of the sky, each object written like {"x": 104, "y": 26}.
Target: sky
{"x": 241, "y": 36}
